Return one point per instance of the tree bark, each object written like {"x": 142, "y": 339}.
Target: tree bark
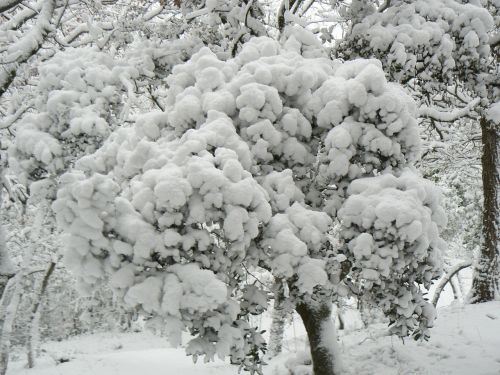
{"x": 486, "y": 272}
{"x": 321, "y": 334}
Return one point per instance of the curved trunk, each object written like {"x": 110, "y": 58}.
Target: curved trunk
{"x": 486, "y": 272}
{"x": 321, "y": 334}
{"x": 448, "y": 279}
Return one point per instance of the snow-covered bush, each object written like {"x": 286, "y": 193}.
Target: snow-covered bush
{"x": 249, "y": 165}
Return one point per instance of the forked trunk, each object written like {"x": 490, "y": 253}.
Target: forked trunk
{"x": 486, "y": 273}
{"x": 321, "y": 334}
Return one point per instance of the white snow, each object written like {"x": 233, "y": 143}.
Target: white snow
{"x": 464, "y": 341}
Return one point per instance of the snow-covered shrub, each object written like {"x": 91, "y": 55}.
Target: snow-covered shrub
{"x": 247, "y": 167}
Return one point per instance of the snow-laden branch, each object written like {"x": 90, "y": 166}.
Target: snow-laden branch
{"x": 83, "y": 29}
{"x": 447, "y": 116}
{"x": 109, "y": 27}
{"x": 20, "y": 18}
{"x": 197, "y": 13}
{"x": 153, "y": 13}
{"x": 8, "y": 4}
{"x": 19, "y": 52}
{"x": 8, "y": 121}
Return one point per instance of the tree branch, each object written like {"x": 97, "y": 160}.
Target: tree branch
{"x": 306, "y": 8}
{"x": 154, "y": 99}
{"x": 433, "y": 113}
{"x": 10, "y": 120}
{"x": 384, "y": 6}
{"x": 27, "y": 46}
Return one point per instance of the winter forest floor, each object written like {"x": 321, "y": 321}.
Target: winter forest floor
{"x": 465, "y": 341}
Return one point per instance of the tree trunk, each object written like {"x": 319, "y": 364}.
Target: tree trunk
{"x": 8, "y": 322}
{"x": 463, "y": 288}
{"x": 7, "y": 270}
{"x": 321, "y": 334}
{"x": 35, "y": 317}
{"x": 486, "y": 272}
{"x": 8, "y": 315}
{"x": 455, "y": 288}
{"x": 278, "y": 324}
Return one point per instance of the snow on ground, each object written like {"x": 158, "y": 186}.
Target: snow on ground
{"x": 117, "y": 354}
{"x": 465, "y": 341}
